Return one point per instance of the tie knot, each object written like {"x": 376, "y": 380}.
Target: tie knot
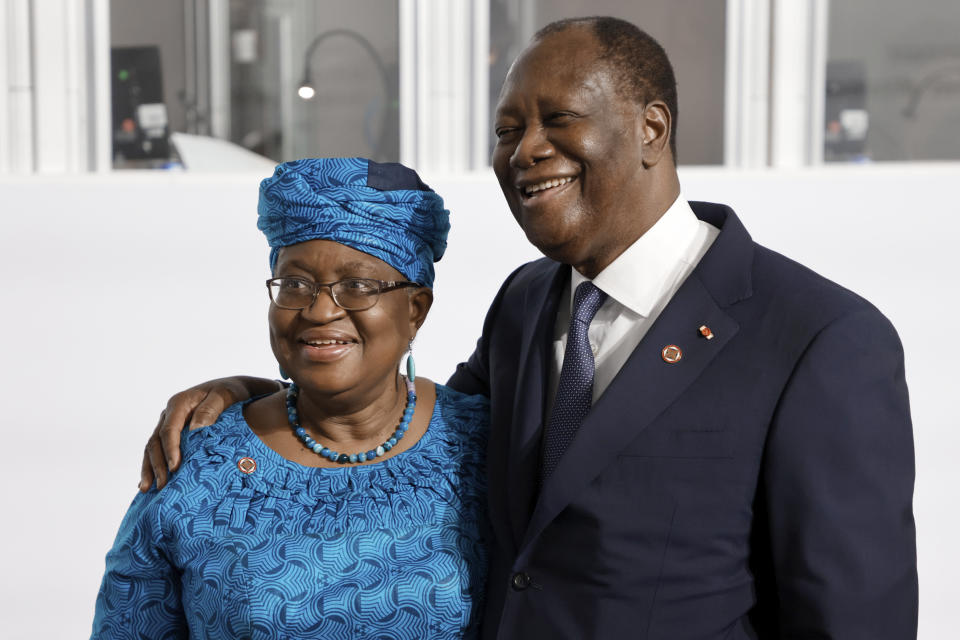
{"x": 586, "y": 301}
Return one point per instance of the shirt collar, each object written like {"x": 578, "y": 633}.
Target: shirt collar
{"x": 637, "y": 276}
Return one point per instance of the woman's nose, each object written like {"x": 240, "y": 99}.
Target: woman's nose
{"x": 323, "y": 309}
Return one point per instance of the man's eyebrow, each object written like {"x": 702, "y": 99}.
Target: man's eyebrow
{"x": 505, "y": 109}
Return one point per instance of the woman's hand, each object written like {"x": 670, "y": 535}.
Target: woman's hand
{"x": 201, "y": 405}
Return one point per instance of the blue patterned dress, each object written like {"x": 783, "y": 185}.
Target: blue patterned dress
{"x": 390, "y": 550}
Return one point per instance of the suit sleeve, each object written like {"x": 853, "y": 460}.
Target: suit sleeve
{"x": 838, "y": 484}
{"x": 473, "y": 376}
{"x": 140, "y": 593}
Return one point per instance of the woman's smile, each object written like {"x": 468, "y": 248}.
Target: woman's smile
{"x": 325, "y": 345}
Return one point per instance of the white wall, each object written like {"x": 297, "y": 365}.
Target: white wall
{"x": 154, "y": 281}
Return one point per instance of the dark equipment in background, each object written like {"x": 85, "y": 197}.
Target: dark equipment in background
{"x": 140, "y": 127}
{"x": 846, "y": 118}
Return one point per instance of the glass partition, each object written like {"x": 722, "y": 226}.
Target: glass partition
{"x": 278, "y": 78}
{"x": 893, "y": 81}
{"x": 691, "y": 31}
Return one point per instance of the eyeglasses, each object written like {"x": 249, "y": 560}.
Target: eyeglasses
{"x": 350, "y": 294}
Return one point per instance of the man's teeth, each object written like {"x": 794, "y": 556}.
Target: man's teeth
{"x": 318, "y": 343}
{"x": 546, "y": 184}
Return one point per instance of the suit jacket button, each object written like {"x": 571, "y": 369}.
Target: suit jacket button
{"x": 520, "y": 581}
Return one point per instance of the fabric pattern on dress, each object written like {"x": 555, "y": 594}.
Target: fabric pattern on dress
{"x": 394, "y": 550}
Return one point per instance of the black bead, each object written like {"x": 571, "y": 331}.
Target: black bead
{"x": 343, "y": 459}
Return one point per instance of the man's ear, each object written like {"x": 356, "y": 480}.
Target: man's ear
{"x": 656, "y": 121}
{"x": 420, "y": 300}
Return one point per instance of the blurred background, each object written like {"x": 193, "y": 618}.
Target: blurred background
{"x": 133, "y": 135}
{"x": 95, "y": 85}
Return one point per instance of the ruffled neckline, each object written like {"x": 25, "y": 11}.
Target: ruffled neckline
{"x": 440, "y": 452}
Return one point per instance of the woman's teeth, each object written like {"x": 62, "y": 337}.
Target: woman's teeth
{"x": 321, "y": 343}
{"x": 546, "y": 184}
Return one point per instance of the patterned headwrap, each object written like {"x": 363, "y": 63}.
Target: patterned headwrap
{"x": 382, "y": 209}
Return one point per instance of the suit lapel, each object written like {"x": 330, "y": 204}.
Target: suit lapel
{"x": 644, "y": 387}
{"x": 647, "y": 384}
{"x": 540, "y": 311}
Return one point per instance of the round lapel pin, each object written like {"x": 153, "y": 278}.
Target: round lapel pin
{"x": 671, "y": 354}
{"x": 247, "y": 465}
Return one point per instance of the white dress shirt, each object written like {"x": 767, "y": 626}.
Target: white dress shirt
{"x": 639, "y": 283}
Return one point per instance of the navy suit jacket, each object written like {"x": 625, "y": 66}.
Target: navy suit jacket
{"x": 760, "y": 487}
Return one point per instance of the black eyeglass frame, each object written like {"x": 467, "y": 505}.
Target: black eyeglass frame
{"x": 383, "y": 286}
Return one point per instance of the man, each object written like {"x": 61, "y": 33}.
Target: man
{"x": 691, "y": 436}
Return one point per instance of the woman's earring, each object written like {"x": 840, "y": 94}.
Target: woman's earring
{"x": 283, "y": 374}
{"x": 411, "y": 366}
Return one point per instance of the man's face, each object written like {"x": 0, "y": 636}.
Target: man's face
{"x": 569, "y": 155}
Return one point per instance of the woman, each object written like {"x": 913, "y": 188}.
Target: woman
{"x": 350, "y": 504}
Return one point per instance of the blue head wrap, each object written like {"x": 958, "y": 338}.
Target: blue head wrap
{"x": 382, "y": 209}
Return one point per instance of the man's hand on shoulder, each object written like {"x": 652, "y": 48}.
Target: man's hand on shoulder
{"x": 201, "y": 406}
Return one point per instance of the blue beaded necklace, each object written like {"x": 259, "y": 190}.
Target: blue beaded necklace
{"x": 342, "y": 458}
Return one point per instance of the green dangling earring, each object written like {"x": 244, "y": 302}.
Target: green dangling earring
{"x": 283, "y": 374}
{"x": 411, "y": 365}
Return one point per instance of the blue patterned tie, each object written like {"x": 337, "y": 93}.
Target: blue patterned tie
{"x": 575, "y": 390}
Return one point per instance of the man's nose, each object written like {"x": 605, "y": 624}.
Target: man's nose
{"x": 533, "y": 147}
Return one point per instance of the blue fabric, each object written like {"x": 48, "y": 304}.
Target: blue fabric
{"x": 391, "y": 550}
{"x": 575, "y": 389}
{"x": 350, "y": 201}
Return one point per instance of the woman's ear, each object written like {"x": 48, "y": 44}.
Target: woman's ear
{"x": 420, "y": 301}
